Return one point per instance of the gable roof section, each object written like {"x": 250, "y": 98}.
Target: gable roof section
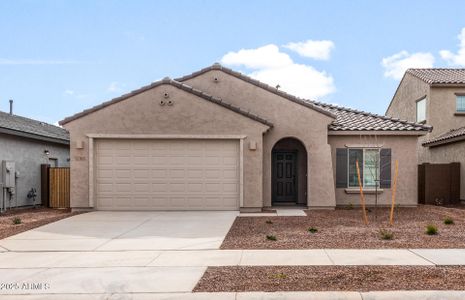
{"x": 25, "y": 127}
{"x": 346, "y": 119}
{"x": 454, "y": 135}
{"x": 260, "y": 84}
{"x": 439, "y": 76}
{"x": 355, "y": 120}
{"x": 178, "y": 85}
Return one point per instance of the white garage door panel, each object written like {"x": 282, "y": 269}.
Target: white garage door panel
{"x": 167, "y": 174}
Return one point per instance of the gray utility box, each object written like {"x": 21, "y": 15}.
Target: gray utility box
{"x": 8, "y": 174}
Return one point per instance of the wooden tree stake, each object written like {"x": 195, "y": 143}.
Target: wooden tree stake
{"x": 394, "y": 189}
{"x": 362, "y": 196}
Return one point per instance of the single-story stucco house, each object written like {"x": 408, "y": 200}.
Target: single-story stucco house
{"x": 25, "y": 145}
{"x": 220, "y": 140}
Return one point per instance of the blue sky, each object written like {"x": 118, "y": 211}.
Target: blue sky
{"x": 60, "y": 57}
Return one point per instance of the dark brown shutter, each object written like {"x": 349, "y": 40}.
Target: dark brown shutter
{"x": 385, "y": 168}
{"x": 341, "y": 167}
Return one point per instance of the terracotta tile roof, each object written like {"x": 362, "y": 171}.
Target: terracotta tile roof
{"x": 177, "y": 84}
{"x": 17, "y": 125}
{"x": 346, "y": 119}
{"x": 439, "y": 75}
{"x": 446, "y": 138}
{"x": 355, "y": 120}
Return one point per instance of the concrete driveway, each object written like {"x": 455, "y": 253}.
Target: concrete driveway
{"x": 103, "y": 253}
{"x": 122, "y": 231}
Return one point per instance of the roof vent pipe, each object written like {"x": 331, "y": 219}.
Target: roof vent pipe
{"x": 11, "y": 106}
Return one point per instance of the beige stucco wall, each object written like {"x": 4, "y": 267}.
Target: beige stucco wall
{"x": 142, "y": 114}
{"x": 446, "y": 154}
{"x": 290, "y": 120}
{"x": 403, "y": 148}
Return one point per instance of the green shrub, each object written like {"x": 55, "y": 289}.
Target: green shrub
{"x": 431, "y": 229}
{"x": 271, "y": 237}
{"x": 312, "y": 230}
{"x": 350, "y": 206}
{"x": 385, "y": 234}
{"x": 16, "y": 221}
{"x": 448, "y": 221}
{"x": 269, "y": 222}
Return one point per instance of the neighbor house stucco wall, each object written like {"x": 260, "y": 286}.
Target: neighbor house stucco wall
{"x": 28, "y": 155}
{"x": 403, "y": 104}
{"x": 143, "y": 114}
{"x": 403, "y": 149}
{"x": 440, "y": 114}
{"x": 443, "y": 108}
{"x": 290, "y": 120}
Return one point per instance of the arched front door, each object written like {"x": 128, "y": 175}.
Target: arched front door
{"x": 289, "y": 173}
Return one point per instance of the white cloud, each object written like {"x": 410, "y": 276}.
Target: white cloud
{"x": 274, "y": 67}
{"x": 114, "y": 87}
{"x": 4, "y": 61}
{"x": 396, "y": 65}
{"x": 69, "y": 92}
{"x": 459, "y": 58}
{"x": 320, "y": 50}
{"x": 300, "y": 80}
{"x": 267, "y": 56}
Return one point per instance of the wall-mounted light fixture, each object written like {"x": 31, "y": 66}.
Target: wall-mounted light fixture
{"x": 46, "y": 152}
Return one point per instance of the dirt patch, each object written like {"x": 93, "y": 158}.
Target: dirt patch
{"x": 30, "y": 218}
{"x": 331, "y": 278}
{"x": 343, "y": 228}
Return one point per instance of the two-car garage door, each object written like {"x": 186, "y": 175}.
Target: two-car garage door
{"x": 166, "y": 174}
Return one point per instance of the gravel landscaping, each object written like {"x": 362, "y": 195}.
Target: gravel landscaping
{"x": 331, "y": 278}
{"x": 344, "y": 228}
{"x": 29, "y": 218}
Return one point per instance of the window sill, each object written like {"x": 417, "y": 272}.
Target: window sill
{"x": 459, "y": 114}
{"x": 365, "y": 191}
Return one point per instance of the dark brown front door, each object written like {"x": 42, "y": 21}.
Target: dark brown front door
{"x": 284, "y": 179}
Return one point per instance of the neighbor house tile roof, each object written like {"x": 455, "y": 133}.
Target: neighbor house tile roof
{"x": 346, "y": 119}
{"x": 17, "y": 125}
{"x": 439, "y": 75}
{"x": 179, "y": 85}
{"x": 446, "y": 138}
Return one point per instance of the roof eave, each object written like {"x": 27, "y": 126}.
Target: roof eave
{"x": 444, "y": 141}
{"x": 378, "y": 132}
{"x": 33, "y": 136}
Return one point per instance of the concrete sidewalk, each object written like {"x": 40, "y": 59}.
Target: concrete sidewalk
{"x": 98, "y": 272}
{"x": 204, "y": 258}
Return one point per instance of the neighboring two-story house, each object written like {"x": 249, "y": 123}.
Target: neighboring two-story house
{"x": 435, "y": 97}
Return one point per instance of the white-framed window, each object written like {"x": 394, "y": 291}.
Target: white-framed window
{"x": 369, "y": 164}
{"x": 421, "y": 110}
{"x": 461, "y": 103}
